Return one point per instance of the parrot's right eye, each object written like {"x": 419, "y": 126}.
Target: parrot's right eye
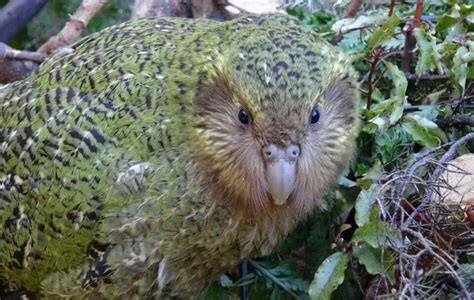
{"x": 244, "y": 116}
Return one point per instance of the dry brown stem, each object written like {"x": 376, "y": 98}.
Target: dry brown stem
{"x": 355, "y": 6}
{"x": 74, "y": 27}
{"x": 8, "y": 52}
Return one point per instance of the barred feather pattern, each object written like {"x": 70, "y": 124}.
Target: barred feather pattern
{"x": 123, "y": 172}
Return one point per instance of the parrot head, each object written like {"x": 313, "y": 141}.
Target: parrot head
{"x": 276, "y": 123}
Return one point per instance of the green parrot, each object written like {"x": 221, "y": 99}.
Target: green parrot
{"x": 157, "y": 154}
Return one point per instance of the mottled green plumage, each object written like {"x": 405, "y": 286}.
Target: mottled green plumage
{"x": 123, "y": 170}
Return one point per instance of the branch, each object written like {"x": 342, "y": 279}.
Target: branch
{"x": 450, "y": 121}
{"x": 392, "y": 8}
{"x": 373, "y": 65}
{"x": 7, "y": 52}
{"x": 448, "y": 265}
{"x": 410, "y": 43}
{"x": 427, "y": 77}
{"x": 355, "y": 6}
{"x": 410, "y": 40}
{"x": 73, "y": 29}
{"x": 16, "y": 14}
{"x": 16, "y": 65}
{"x": 451, "y": 154}
{"x": 418, "y": 13}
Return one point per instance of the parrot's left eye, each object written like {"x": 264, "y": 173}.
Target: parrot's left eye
{"x": 244, "y": 116}
{"x": 314, "y": 116}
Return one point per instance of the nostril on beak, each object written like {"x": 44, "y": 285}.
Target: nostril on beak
{"x": 281, "y": 169}
{"x": 272, "y": 153}
{"x": 292, "y": 153}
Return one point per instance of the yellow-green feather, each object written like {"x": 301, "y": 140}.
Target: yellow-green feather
{"x": 97, "y": 175}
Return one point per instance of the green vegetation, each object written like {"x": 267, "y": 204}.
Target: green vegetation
{"x": 338, "y": 253}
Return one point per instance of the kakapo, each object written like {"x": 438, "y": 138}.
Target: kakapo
{"x": 157, "y": 154}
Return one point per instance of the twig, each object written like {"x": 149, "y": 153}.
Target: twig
{"x": 383, "y": 57}
{"x": 376, "y": 81}
{"x": 392, "y": 8}
{"x": 8, "y": 52}
{"x": 448, "y": 156}
{"x": 413, "y": 108}
{"x": 410, "y": 43}
{"x": 353, "y": 8}
{"x": 449, "y": 121}
{"x": 244, "y": 289}
{"x": 73, "y": 29}
{"x": 420, "y": 238}
{"x": 425, "y": 221}
{"x": 377, "y": 56}
{"x": 408, "y": 175}
{"x": 427, "y": 77}
{"x": 418, "y": 14}
{"x": 414, "y": 272}
{"x": 373, "y": 65}
{"x": 410, "y": 40}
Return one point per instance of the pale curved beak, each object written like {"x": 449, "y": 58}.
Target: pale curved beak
{"x": 281, "y": 171}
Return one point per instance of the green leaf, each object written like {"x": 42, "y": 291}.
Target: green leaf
{"x": 396, "y": 114}
{"x": 460, "y": 70}
{"x": 350, "y": 24}
{"x": 374, "y": 233}
{"x": 450, "y": 2}
{"x": 396, "y": 103}
{"x": 420, "y": 134}
{"x": 429, "y": 56}
{"x": 445, "y": 22}
{"x": 381, "y": 122}
{"x": 379, "y": 36}
{"x": 434, "y": 96}
{"x": 282, "y": 276}
{"x": 329, "y": 276}
{"x": 430, "y": 126}
{"x": 364, "y": 205}
{"x": 454, "y": 31}
{"x": 470, "y": 73}
{"x": 466, "y": 11}
{"x": 384, "y": 33}
{"x": 277, "y": 294}
{"x": 399, "y": 81}
{"x": 371, "y": 258}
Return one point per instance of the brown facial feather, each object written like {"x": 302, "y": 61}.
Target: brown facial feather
{"x": 230, "y": 152}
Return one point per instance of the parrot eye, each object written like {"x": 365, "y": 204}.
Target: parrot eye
{"x": 244, "y": 116}
{"x": 314, "y": 116}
